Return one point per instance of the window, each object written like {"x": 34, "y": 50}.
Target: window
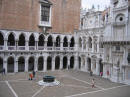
{"x": 117, "y": 48}
{"x": 45, "y": 13}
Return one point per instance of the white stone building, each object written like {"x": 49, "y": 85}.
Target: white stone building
{"x": 111, "y": 29}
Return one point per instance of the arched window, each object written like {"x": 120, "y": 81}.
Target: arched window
{"x": 41, "y": 40}
{"x": 57, "y": 62}
{"x": 21, "y": 64}
{"x": 58, "y": 41}
{"x": 40, "y": 63}
{"x": 90, "y": 42}
{"x": 49, "y": 63}
{"x": 1, "y": 39}
{"x": 72, "y": 42}
{"x": 21, "y": 41}
{"x": 31, "y": 40}
{"x": 10, "y": 64}
{"x": 11, "y": 40}
{"x": 65, "y": 43}
{"x": 50, "y": 41}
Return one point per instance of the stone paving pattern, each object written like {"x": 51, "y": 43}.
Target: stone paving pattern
{"x": 72, "y": 84}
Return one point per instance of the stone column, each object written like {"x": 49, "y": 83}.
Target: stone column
{"x": 45, "y": 63}
{"x": 86, "y": 64}
{"x": 5, "y": 44}
{"x": 98, "y": 46}
{"x": 61, "y": 62}
{"x": 76, "y": 62}
{"x": 92, "y": 45}
{"x": 61, "y": 45}
{"x": 5, "y": 64}
{"x": 45, "y": 45}
{"x": 97, "y": 67}
{"x": 36, "y": 45}
{"x": 68, "y": 62}
{"x": 26, "y": 64}
{"x": 16, "y": 65}
{"x": 16, "y": 44}
{"x": 27, "y": 45}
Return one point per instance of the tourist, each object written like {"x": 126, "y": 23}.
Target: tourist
{"x": 107, "y": 73}
{"x": 30, "y": 76}
{"x": 34, "y": 74}
{"x": 3, "y": 71}
{"x": 91, "y": 73}
{"x": 101, "y": 74}
{"x": 93, "y": 83}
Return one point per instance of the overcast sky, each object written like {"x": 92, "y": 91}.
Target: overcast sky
{"x": 88, "y": 3}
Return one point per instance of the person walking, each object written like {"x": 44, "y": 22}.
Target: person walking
{"x": 91, "y": 73}
{"x": 3, "y": 71}
{"x": 93, "y": 83}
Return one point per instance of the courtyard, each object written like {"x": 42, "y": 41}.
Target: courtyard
{"x": 72, "y": 84}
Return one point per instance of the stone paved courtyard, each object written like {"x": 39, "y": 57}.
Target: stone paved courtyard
{"x": 72, "y": 84}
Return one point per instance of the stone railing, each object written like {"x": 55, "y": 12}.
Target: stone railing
{"x": 31, "y": 47}
{"x": 21, "y": 47}
{"x": 11, "y": 47}
{"x": 1, "y": 47}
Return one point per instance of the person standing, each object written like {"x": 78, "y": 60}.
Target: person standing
{"x": 34, "y": 74}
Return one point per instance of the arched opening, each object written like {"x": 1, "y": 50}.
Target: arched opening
{"x": 1, "y": 64}
{"x": 21, "y": 64}
{"x": 72, "y": 42}
{"x": 64, "y": 62}
{"x": 101, "y": 65}
{"x": 49, "y": 63}
{"x": 57, "y": 62}
{"x": 72, "y": 62}
{"x": 10, "y": 65}
{"x": 79, "y": 62}
{"x": 31, "y": 40}
{"x": 90, "y": 42}
{"x": 41, "y": 40}
{"x": 80, "y": 42}
{"x": 89, "y": 64}
{"x": 31, "y": 64}
{"x": 40, "y": 63}
{"x": 65, "y": 43}
{"x": 1, "y": 40}
{"x": 50, "y": 41}
{"x": 21, "y": 41}
{"x": 11, "y": 40}
{"x": 58, "y": 41}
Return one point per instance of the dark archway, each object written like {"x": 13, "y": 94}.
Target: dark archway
{"x": 32, "y": 40}
{"x": 57, "y": 62}
{"x": 1, "y": 39}
{"x": 31, "y": 64}
{"x": 49, "y": 63}
{"x": 90, "y": 42}
{"x": 41, "y": 40}
{"x": 89, "y": 64}
{"x": 10, "y": 64}
{"x": 79, "y": 62}
{"x": 58, "y": 41}
{"x": 50, "y": 41}
{"x": 21, "y": 64}
{"x": 1, "y": 64}
{"x": 72, "y": 42}
{"x": 72, "y": 62}
{"x": 40, "y": 63}
{"x": 101, "y": 65}
{"x": 21, "y": 41}
{"x": 11, "y": 40}
{"x": 65, "y": 42}
{"x": 65, "y": 62}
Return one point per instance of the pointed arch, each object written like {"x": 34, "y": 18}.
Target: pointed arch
{"x": 10, "y": 64}
{"x": 41, "y": 40}
{"x": 65, "y": 42}
{"x": 21, "y": 41}
{"x": 1, "y": 39}
{"x": 57, "y": 62}
{"x": 11, "y": 40}
{"x": 21, "y": 64}
{"x": 72, "y": 42}
{"x": 31, "y": 40}
{"x": 50, "y": 41}
{"x": 58, "y": 41}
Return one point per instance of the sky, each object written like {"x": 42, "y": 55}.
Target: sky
{"x": 102, "y": 3}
